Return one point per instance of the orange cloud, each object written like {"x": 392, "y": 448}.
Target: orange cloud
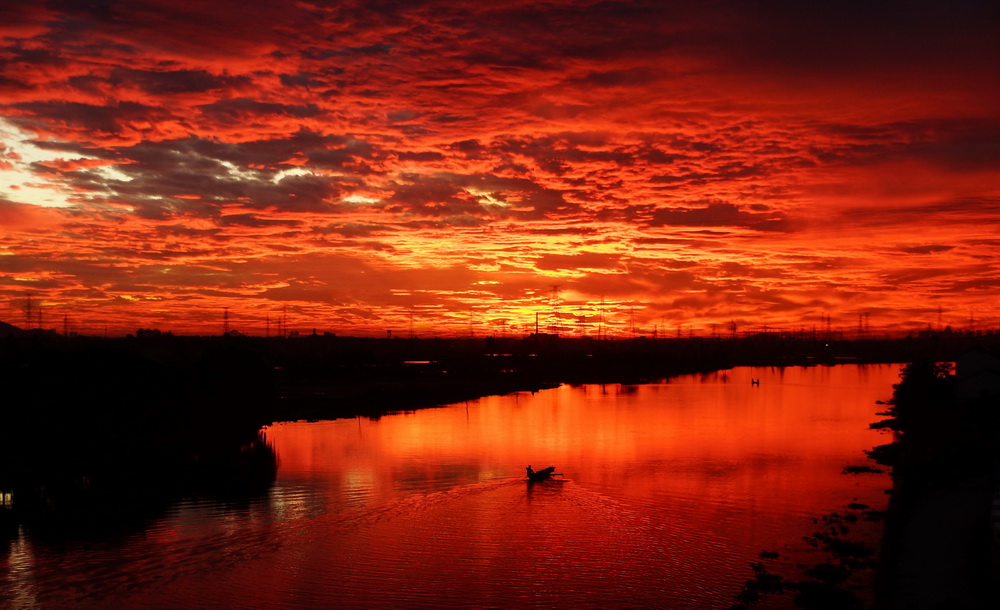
{"x": 356, "y": 168}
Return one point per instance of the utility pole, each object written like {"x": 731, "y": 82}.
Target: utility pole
{"x": 554, "y": 303}
{"x": 600, "y": 320}
{"x": 225, "y": 320}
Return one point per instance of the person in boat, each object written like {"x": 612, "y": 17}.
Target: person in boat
{"x": 540, "y": 475}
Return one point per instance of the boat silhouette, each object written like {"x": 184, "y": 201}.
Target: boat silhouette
{"x": 541, "y": 475}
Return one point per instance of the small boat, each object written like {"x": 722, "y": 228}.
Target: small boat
{"x": 541, "y": 475}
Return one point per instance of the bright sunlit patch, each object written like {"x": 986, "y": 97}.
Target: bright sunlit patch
{"x": 17, "y": 181}
{"x": 238, "y": 172}
{"x": 487, "y": 199}
{"x": 296, "y": 171}
{"x": 359, "y": 200}
{"x": 561, "y": 273}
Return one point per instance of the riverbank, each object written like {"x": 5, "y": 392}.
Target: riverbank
{"x": 938, "y": 546}
{"x": 942, "y": 556}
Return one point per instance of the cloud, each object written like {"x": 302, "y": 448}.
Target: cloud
{"x": 588, "y": 260}
{"x": 720, "y": 214}
{"x": 706, "y": 162}
{"x": 30, "y": 218}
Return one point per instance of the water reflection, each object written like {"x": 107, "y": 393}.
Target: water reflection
{"x": 670, "y": 490}
{"x": 81, "y": 539}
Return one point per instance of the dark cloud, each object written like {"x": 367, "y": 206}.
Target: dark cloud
{"x": 165, "y": 82}
{"x": 352, "y": 229}
{"x": 928, "y": 249}
{"x": 253, "y": 220}
{"x": 453, "y": 194}
{"x": 157, "y": 176}
{"x": 719, "y": 215}
{"x": 588, "y": 260}
{"x": 243, "y": 109}
{"x": 103, "y": 121}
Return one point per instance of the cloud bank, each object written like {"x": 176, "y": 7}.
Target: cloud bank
{"x": 365, "y": 166}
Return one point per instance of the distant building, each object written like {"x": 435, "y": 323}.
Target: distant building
{"x": 150, "y": 333}
{"x": 543, "y": 336}
{"x": 977, "y": 374}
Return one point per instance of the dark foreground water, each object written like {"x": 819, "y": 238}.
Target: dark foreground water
{"x": 669, "y": 490}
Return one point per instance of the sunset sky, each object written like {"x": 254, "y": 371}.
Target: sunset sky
{"x": 441, "y": 166}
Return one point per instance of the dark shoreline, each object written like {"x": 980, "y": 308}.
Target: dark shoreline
{"x": 936, "y": 549}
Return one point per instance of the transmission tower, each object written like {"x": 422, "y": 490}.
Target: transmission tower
{"x": 554, "y": 303}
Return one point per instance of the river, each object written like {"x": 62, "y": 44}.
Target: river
{"x": 667, "y": 492}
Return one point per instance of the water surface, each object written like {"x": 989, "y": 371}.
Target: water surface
{"x": 669, "y": 491}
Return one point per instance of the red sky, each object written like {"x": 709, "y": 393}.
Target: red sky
{"x": 357, "y": 166}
